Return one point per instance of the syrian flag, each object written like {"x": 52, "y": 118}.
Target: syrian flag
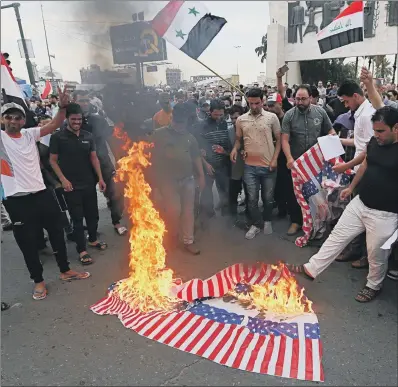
{"x": 187, "y": 25}
{"x": 13, "y": 93}
{"x": 47, "y": 90}
{"x": 345, "y": 29}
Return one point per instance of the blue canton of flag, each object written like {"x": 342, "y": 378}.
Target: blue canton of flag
{"x": 309, "y": 189}
{"x": 312, "y": 331}
{"x": 266, "y": 327}
{"x": 216, "y": 314}
{"x": 242, "y": 288}
{"x": 331, "y": 175}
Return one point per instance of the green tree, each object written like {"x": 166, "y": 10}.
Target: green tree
{"x": 334, "y": 70}
{"x": 383, "y": 68}
{"x": 262, "y": 50}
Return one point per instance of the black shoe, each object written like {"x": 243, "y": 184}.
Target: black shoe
{"x": 70, "y": 237}
{"x": 393, "y": 274}
{"x": 4, "y": 306}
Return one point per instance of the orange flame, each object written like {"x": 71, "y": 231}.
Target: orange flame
{"x": 149, "y": 283}
{"x": 284, "y": 297}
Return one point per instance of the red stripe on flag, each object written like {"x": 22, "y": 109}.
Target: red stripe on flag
{"x": 242, "y": 350}
{"x": 295, "y": 359}
{"x": 162, "y": 21}
{"x": 189, "y": 290}
{"x": 322, "y": 377}
{"x": 355, "y": 7}
{"x": 4, "y": 63}
{"x": 167, "y": 326}
{"x": 211, "y": 287}
{"x": 302, "y": 169}
{"x": 253, "y": 357}
{"x": 177, "y": 329}
{"x": 267, "y": 355}
{"x": 220, "y": 285}
{"x": 209, "y": 341}
{"x": 309, "y": 371}
{"x": 153, "y": 327}
{"x": 310, "y": 164}
{"x": 200, "y": 289}
{"x": 199, "y": 335}
{"x": 188, "y": 333}
{"x": 314, "y": 152}
{"x": 237, "y": 273}
{"x": 221, "y": 344}
{"x": 227, "y": 354}
{"x": 281, "y": 356}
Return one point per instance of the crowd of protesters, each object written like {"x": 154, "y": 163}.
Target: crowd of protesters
{"x": 243, "y": 141}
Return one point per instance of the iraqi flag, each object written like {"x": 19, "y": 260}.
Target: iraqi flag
{"x": 187, "y": 25}
{"x": 345, "y": 29}
{"x": 13, "y": 93}
{"x": 47, "y": 90}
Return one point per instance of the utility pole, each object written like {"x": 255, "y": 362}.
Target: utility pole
{"x": 24, "y": 46}
{"x": 48, "y": 51}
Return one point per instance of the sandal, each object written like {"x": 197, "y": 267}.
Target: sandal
{"x": 39, "y": 294}
{"x": 367, "y": 294}
{"x": 99, "y": 245}
{"x": 120, "y": 230}
{"x": 86, "y": 259}
{"x": 299, "y": 269}
{"x": 79, "y": 276}
{"x": 361, "y": 263}
{"x": 4, "y": 306}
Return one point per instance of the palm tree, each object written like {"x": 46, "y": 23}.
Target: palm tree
{"x": 262, "y": 50}
{"x": 383, "y": 68}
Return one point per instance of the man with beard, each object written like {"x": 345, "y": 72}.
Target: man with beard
{"x": 99, "y": 127}
{"x": 301, "y": 127}
{"x": 29, "y": 204}
{"x": 373, "y": 211}
{"x": 163, "y": 117}
{"x": 75, "y": 162}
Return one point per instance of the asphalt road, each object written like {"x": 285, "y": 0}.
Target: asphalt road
{"x": 59, "y": 341}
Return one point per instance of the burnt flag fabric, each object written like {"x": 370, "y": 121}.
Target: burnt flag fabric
{"x": 187, "y": 25}
{"x": 345, "y": 29}
{"x": 214, "y": 325}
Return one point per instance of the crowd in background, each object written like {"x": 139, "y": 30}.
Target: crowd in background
{"x": 243, "y": 141}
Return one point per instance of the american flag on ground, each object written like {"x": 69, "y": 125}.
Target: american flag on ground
{"x": 217, "y": 329}
{"x": 316, "y": 187}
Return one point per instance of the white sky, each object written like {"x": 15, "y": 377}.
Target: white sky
{"x": 247, "y": 23}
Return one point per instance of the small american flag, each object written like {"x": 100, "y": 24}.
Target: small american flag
{"x": 216, "y": 328}
{"x": 314, "y": 181}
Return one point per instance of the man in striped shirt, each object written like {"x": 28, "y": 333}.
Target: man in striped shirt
{"x": 213, "y": 138}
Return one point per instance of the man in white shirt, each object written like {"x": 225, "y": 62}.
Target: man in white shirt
{"x": 29, "y": 204}
{"x": 321, "y": 90}
{"x": 352, "y": 95}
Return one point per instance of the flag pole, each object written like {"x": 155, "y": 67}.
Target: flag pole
{"x": 219, "y": 76}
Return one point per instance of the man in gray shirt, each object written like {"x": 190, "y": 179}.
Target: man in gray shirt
{"x": 301, "y": 127}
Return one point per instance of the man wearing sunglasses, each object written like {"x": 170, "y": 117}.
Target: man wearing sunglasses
{"x": 29, "y": 204}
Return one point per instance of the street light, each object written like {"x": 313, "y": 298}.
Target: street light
{"x": 237, "y": 59}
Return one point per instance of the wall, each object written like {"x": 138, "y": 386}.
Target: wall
{"x": 384, "y": 42}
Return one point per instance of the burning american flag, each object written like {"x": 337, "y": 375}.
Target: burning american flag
{"x": 253, "y": 318}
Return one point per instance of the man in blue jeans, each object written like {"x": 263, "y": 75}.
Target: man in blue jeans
{"x": 258, "y": 129}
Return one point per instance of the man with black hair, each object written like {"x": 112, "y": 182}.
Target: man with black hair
{"x": 75, "y": 162}
{"x": 176, "y": 163}
{"x": 257, "y": 128}
{"x": 374, "y": 210}
{"x": 301, "y": 127}
{"x": 29, "y": 204}
{"x": 102, "y": 132}
{"x": 213, "y": 139}
{"x": 164, "y": 116}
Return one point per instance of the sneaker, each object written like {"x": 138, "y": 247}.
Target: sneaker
{"x": 293, "y": 229}
{"x": 192, "y": 249}
{"x": 268, "y": 228}
{"x": 253, "y": 231}
{"x": 393, "y": 274}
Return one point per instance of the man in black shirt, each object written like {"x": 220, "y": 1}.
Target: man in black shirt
{"x": 213, "y": 139}
{"x": 374, "y": 209}
{"x": 75, "y": 162}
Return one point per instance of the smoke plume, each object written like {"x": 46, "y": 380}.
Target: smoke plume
{"x": 100, "y": 16}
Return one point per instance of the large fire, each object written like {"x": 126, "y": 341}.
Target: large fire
{"x": 149, "y": 285}
{"x": 283, "y": 297}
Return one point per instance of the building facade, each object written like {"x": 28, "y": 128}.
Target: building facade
{"x": 173, "y": 77}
